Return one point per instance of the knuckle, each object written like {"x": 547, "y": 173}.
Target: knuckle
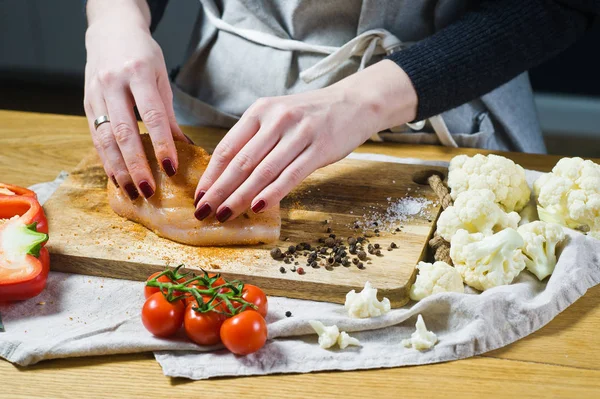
{"x": 135, "y": 66}
{"x": 276, "y": 192}
{"x": 267, "y": 172}
{"x": 107, "y": 77}
{"x": 223, "y": 153}
{"x": 122, "y": 132}
{"x": 219, "y": 193}
{"x": 153, "y": 118}
{"x": 136, "y": 167}
{"x": 295, "y": 175}
{"x": 244, "y": 163}
{"x": 105, "y": 141}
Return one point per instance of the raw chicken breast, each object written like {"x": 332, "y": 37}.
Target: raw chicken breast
{"x": 170, "y": 211}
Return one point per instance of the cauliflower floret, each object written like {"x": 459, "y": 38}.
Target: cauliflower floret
{"x": 421, "y": 339}
{"x": 502, "y": 176}
{"x": 434, "y": 278}
{"x": 328, "y": 335}
{"x": 570, "y": 194}
{"x": 486, "y": 262}
{"x": 541, "y": 239}
{"x": 477, "y": 212}
{"x": 365, "y": 303}
{"x": 345, "y": 340}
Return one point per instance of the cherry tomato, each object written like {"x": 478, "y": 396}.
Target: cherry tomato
{"x": 161, "y": 317}
{"x": 148, "y": 291}
{"x": 202, "y": 328}
{"x": 255, "y": 296}
{"x": 244, "y": 333}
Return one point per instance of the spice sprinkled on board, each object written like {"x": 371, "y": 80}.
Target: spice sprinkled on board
{"x": 399, "y": 211}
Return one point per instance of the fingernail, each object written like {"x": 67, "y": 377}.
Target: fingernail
{"x": 258, "y": 206}
{"x": 114, "y": 181}
{"x": 202, "y": 212}
{"x": 146, "y": 189}
{"x": 199, "y": 197}
{"x": 224, "y": 214}
{"x": 168, "y": 167}
{"x": 188, "y": 139}
{"x": 132, "y": 191}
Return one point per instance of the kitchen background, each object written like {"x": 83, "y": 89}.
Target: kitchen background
{"x": 42, "y": 59}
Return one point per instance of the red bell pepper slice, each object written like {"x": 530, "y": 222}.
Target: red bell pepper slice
{"x": 24, "y": 262}
{"x": 28, "y": 208}
{"x": 10, "y": 190}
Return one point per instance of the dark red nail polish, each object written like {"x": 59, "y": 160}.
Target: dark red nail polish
{"x": 189, "y": 139}
{"x": 114, "y": 181}
{"x": 224, "y": 214}
{"x": 131, "y": 191}
{"x": 168, "y": 167}
{"x": 199, "y": 197}
{"x": 259, "y": 206}
{"x": 146, "y": 189}
{"x": 203, "y": 212}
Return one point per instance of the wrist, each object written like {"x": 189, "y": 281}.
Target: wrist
{"x": 111, "y": 13}
{"x": 386, "y": 94}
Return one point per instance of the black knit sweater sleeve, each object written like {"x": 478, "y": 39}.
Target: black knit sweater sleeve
{"x": 491, "y": 44}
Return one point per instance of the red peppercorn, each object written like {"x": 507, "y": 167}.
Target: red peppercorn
{"x": 300, "y": 270}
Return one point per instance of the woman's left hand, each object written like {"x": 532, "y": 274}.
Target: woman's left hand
{"x": 279, "y": 141}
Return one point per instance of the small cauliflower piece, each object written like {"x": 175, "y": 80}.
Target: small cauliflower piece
{"x": 328, "y": 335}
{"x": 477, "y": 212}
{"x": 345, "y": 340}
{"x": 541, "y": 239}
{"x": 434, "y": 278}
{"x": 502, "y": 176}
{"x": 421, "y": 339}
{"x": 486, "y": 262}
{"x": 570, "y": 194}
{"x": 365, "y": 304}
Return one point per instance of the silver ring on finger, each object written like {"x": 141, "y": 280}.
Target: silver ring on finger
{"x": 100, "y": 120}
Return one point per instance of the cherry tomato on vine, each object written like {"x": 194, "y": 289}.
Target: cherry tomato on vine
{"x": 255, "y": 296}
{"x": 202, "y": 328}
{"x": 161, "y": 317}
{"x": 244, "y": 333}
{"x": 149, "y": 291}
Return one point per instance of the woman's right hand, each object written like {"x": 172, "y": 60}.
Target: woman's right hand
{"x": 125, "y": 67}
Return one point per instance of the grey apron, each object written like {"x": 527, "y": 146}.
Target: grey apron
{"x": 242, "y": 50}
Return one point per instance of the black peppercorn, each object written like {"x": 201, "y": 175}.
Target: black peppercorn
{"x": 288, "y": 314}
{"x": 393, "y": 245}
{"x": 330, "y": 242}
{"x": 376, "y": 246}
{"x": 352, "y": 249}
{"x": 328, "y": 230}
{"x": 323, "y": 250}
{"x": 321, "y": 240}
{"x": 376, "y": 231}
{"x": 351, "y": 241}
{"x": 355, "y": 261}
{"x": 329, "y": 268}
{"x": 314, "y": 265}
{"x": 276, "y": 253}
{"x": 360, "y": 239}
{"x": 360, "y": 265}
{"x": 282, "y": 269}
{"x": 378, "y": 252}
{"x": 362, "y": 255}
{"x": 291, "y": 249}
{"x": 330, "y": 260}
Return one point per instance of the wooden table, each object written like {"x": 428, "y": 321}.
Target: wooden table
{"x": 560, "y": 360}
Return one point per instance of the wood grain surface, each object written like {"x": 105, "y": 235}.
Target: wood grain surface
{"x": 89, "y": 238}
{"x": 561, "y": 360}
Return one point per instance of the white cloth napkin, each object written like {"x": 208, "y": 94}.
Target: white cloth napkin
{"x": 81, "y": 315}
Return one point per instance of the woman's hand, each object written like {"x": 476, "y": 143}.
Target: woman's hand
{"x": 125, "y": 67}
{"x": 279, "y": 141}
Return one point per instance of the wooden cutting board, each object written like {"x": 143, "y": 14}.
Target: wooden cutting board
{"x": 87, "y": 237}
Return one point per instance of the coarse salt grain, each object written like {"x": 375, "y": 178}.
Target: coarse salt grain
{"x": 398, "y": 212}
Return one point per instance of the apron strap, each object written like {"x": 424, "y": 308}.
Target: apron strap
{"x": 367, "y": 44}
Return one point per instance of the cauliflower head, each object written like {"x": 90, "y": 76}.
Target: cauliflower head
{"x": 570, "y": 194}
{"x": 487, "y": 262}
{"x": 434, "y": 278}
{"x": 502, "y": 176}
{"x": 365, "y": 304}
{"x": 541, "y": 239}
{"x": 477, "y": 212}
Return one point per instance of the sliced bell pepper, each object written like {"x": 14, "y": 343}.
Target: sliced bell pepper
{"x": 9, "y": 189}
{"x": 26, "y": 207}
{"x": 24, "y": 262}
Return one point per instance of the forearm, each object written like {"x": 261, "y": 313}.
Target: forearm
{"x": 128, "y": 12}
{"x": 487, "y": 47}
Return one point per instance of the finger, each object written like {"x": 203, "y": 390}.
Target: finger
{"x": 230, "y": 145}
{"x": 294, "y": 174}
{"x": 126, "y": 134}
{"x": 105, "y": 140}
{"x": 164, "y": 88}
{"x": 89, "y": 113}
{"x": 152, "y": 110}
{"x": 264, "y": 174}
